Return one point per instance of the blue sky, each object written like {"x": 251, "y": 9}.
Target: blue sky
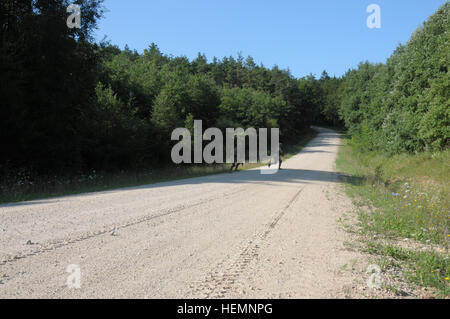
{"x": 306, "y": 36}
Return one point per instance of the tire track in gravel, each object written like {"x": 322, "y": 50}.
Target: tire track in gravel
{"x": 221, "y": 280}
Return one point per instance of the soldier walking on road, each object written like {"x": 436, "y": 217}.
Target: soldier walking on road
{"x": 280, "y": 153}
{"x": 235, "y": 164}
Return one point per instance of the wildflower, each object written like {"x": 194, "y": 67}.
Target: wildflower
{"x": 446, "y": 278}
{"x": 406, "y": 196}
{"x": 395, "y": 194}
{"x": 420, "y": 194}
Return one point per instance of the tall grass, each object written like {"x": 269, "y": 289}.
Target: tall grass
{"x": 409, "y": 197}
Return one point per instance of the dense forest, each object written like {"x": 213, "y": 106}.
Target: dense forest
{"x": 70, "y": 104}
{"x": 403, "y": 105}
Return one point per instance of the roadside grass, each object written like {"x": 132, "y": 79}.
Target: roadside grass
{"x": 52, "y": 186}
{"x": 424, "y": 268}
{"x": 24, "y": 187}
{"x": 403, "y": 198}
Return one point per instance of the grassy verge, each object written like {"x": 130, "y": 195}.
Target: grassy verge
{"x": 404, "y": 211}
{"x": 26, "y": 188}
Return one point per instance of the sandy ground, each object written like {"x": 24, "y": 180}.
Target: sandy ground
{"x": 244, "y": 235}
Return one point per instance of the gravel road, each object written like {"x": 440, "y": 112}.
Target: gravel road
{"x": 243, "y": 235}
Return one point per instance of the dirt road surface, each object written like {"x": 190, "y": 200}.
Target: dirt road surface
{"x": 243, "y": 235}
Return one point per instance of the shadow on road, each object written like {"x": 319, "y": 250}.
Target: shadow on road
{"x": 294, "y": 176}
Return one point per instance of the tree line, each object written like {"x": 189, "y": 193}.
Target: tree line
{"x": 69, "y": 104}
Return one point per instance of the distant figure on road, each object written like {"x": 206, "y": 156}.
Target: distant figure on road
{"x": 235, "y": 164}
{"x": 280, "y": 152}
